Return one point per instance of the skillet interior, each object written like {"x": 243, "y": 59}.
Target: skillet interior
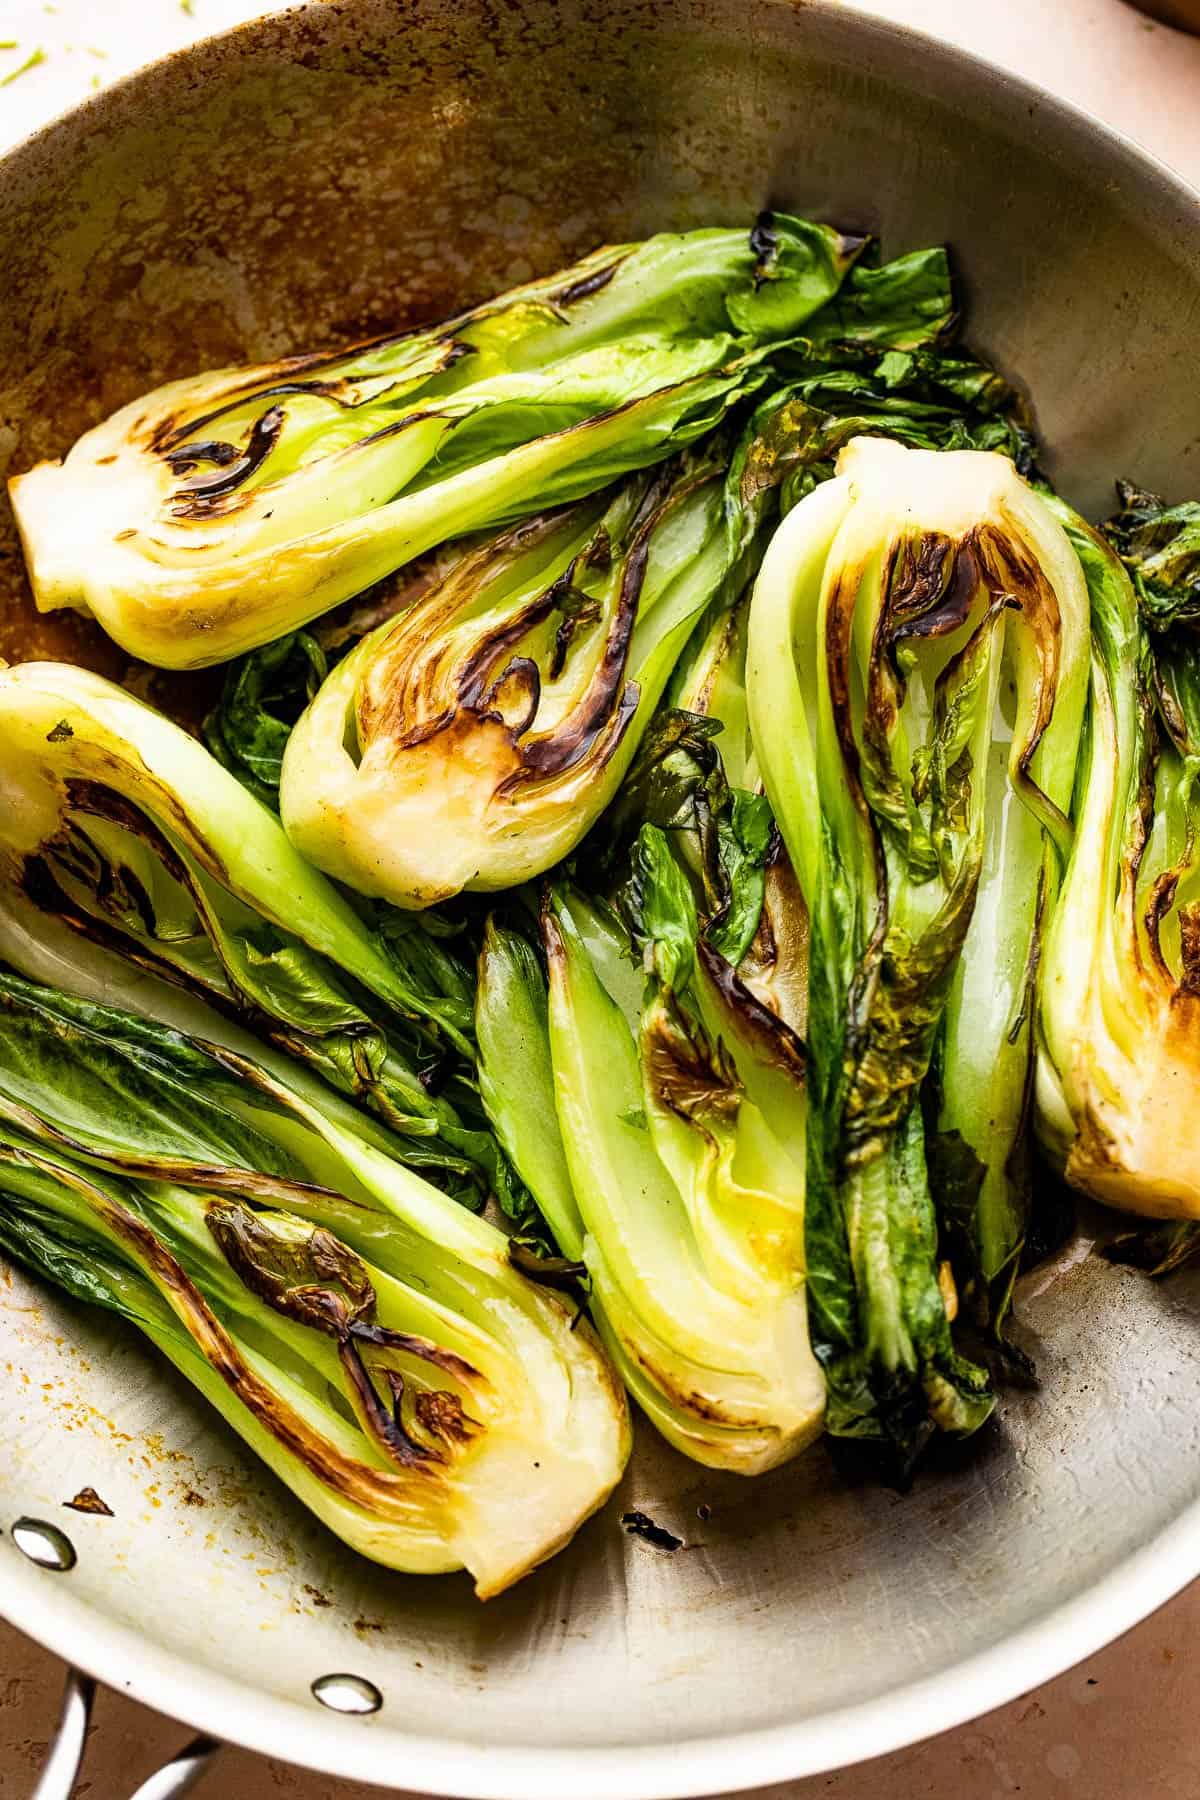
{"x": 350, "y": 167}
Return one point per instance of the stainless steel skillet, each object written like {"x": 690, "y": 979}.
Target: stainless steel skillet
{"x": 350, "y": 165}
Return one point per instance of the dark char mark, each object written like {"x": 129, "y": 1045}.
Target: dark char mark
{"x": 587, "y": 285}
{"x": 639, "y": 1524}
{"x": 232, "y": 470}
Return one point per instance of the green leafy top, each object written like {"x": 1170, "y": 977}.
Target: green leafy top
{"x": 923, "y": 397}
{"x": 1160, "y": 547}
{"x": 264, "y": 694}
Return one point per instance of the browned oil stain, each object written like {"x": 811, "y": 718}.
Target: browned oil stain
{"x": 87, "y": 1500}
{"x": 144, "y": 1452}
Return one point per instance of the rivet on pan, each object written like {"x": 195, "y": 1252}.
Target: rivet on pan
{"x": 44, "y": 1544}
{"x": 347, "y": 1693}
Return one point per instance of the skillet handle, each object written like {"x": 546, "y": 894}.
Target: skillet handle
{"x": 57, "y": 1780}
{"x": 61, "y": 1770}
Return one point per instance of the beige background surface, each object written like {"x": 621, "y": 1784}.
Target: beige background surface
{"x": 1121, "y": 1727}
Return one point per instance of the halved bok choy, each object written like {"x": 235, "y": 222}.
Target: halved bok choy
{"x": 119, "y": 825}
{"x": 644, "y": 1067}
{"x": 471, "y": 741}
{"x": 228, "y": 508}
{"x": 917, "y": 654}
{"x": 365, "y": 1335}
{"x": 1119, "y": 1075}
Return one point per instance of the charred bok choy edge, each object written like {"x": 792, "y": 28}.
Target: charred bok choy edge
{"x": 472, "y": 741}
{"x": 917, "y": 641}
{"x": 118, "y": 824}
{"x": 646, "y": 1075}
{"x": 224, "y": 510}
{"x": 367, "y": 1337}
{"x": 1119, "y": 1076}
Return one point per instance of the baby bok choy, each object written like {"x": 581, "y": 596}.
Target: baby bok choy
{"x": 224, "y": 510}
{"x": 1119, "y": 1074}
{"x": 367, "y": 1337}
{"x": 645, "y": 1072}
{"x": 471, "y": 741}
{"x": 917, "y": 649}
{"x": 118, "y": 825}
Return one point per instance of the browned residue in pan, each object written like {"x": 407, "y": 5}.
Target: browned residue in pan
{"x": 87, "y": 1500}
